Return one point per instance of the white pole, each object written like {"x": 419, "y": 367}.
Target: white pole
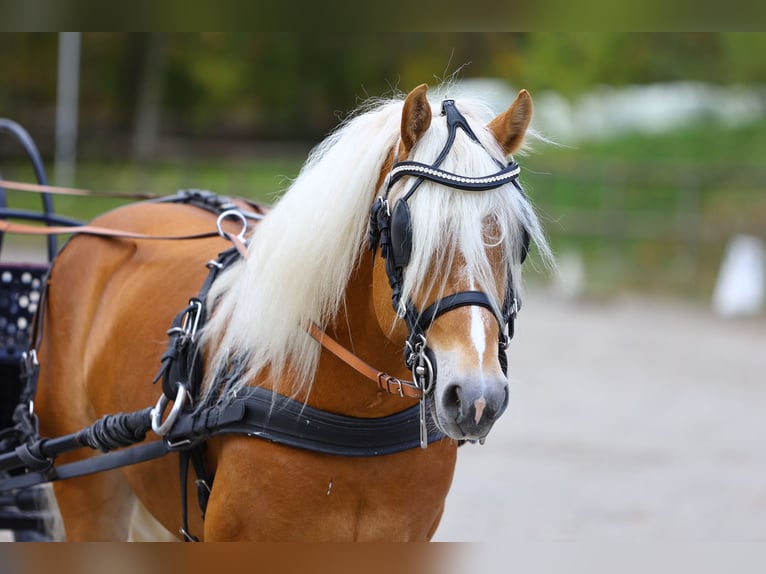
{"x": 67, "y": 95}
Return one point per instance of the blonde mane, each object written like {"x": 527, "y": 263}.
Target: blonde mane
{"x": 303, "y": 253}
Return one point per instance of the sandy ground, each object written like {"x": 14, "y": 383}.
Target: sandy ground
{"x": 631, "y": 420}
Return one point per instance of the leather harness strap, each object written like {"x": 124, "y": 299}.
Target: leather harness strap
{"x": 59, "y": 190}
{"x": 20, "y": 228}
{"x": 385, "y": 382}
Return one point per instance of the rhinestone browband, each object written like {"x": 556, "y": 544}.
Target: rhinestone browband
{"x": 507, "y": 174}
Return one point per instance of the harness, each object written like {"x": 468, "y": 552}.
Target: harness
{"x": 256, "y": 411}
{"x": 391, "y": 229}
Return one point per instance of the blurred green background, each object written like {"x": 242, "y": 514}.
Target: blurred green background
{"x": 633, "y": 200}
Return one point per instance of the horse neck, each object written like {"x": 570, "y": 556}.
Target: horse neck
{"x": 339, "y": 388}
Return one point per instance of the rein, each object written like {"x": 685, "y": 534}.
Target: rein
{"x": 21, "y": 229}
{"x": 59, "y": 190}
{"x": 222, "y": 206}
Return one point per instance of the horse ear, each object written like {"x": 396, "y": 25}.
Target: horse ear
{"x": 510, "y": 126}
{"x": 416, "y": 119}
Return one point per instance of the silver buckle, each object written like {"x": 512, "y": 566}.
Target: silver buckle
{"x": 398, "y": 383}
{"x": 515, "y": 307}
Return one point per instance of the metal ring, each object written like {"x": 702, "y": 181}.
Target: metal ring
{"x": 423, "y": 373}
{"x": 232, "y": 213}
{"x": 430, "y": 378}
{"x": 159, "y": 427}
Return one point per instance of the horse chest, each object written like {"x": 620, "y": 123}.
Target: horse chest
{"x": 280, "y": 493}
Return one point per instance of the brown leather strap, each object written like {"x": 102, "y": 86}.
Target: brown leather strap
{"x": 20, "y": 228}
{"x": 58, "y": 190}
{"x": 384, "y": 381}
{"x": 239, "y": 244}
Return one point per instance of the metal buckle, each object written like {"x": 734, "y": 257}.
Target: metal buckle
{"x": 383, "y": 201}
{"x": 411, "y": 351}
{"x": 201, "y": 482}
{"x": 30, "y": 358}
{"x": 504, "y": 341}
{"x": 515, "y": 307}
{"x": 384, "y": 383}
{"x": 30, "y": 366}
{"x": 398, "y": 383}
{"x": 178, "y": 444}
{"x": 401, "y": 310}
{"x": 186, "y": 536}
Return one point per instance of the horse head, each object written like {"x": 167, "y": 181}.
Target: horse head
{"x": 433, "y": 190}
{"x": 453, "y": 225}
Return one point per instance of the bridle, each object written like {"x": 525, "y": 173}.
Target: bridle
{"x": 391, "y": 229}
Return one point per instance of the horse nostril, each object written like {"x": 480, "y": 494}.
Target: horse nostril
{"x": 453, "y": 399}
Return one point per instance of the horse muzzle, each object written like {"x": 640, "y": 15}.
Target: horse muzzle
{"x": 466, "y": 409}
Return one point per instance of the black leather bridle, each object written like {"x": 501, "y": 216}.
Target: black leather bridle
{"x": 391, "y": 229}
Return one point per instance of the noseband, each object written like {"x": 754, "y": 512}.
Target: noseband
{"x": 391, "y": 229}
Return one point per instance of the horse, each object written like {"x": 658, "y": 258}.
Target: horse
{"x": 404, "y": 232}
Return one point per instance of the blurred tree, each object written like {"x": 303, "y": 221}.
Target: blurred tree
{"x": 742, "y": 56}
{"x": 149, "y": 91}
{"x": 28, "y": 77}
{"x": 298, "y": 86}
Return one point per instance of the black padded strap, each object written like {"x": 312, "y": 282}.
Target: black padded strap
{"x": 451, "y": 302}
{"x": 261, "y": 413}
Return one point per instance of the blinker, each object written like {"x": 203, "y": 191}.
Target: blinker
{"x": 401, "y": 233}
